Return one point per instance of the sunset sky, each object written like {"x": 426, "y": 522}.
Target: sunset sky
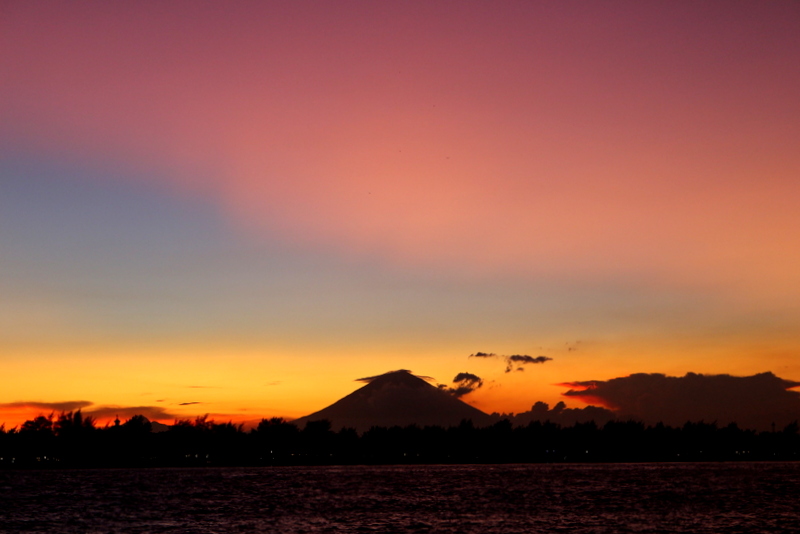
{"x": 238, "y": 208}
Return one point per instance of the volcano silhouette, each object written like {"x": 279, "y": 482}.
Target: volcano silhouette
{"x": 397, "y": 398}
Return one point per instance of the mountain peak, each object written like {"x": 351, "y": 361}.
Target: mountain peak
{"x": 399, "y": 377}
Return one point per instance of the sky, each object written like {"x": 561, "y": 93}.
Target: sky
{"x": 239, "y": 208}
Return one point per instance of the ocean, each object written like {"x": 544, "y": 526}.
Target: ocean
{"x": 575, "y": 498}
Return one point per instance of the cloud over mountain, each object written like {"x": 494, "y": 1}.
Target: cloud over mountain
{"x": 368, "y": 379}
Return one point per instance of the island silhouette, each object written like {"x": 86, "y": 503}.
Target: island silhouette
{"x": 395, "y": 418}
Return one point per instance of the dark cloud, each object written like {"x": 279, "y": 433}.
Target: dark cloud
{"x": 467, "y": 378}
{"x": 524, "y": 358}
{"x": 514, "y": 360}
{"x": 751, "y": 401}
{"x": 67, "y": 406}
{"x": 188, "y": 403}
{"x": 464, "y": 383}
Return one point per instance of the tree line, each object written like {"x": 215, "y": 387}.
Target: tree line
{"x": 74, "y": 440}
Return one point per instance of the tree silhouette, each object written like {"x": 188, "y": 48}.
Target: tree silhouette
{"x": 72, "y": 440}
{"x": 138, "y": 424}
{"x": 39, "y": 425}
{"x": 74, "y": 423}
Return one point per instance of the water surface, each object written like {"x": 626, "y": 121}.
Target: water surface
{"x": 723, "y": 497}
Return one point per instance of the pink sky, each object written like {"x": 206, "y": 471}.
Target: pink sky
{"x": 647, "y": 148}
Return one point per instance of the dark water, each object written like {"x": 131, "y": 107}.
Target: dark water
{"x": 729, "y": 498}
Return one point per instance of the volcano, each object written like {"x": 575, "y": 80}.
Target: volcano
{"x": 397, "y": 398}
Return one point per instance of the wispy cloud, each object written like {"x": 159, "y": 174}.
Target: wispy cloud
{"x": 513, "y": 361}
{"x": 51, "y": 406}
{"x": 524, "y": 358}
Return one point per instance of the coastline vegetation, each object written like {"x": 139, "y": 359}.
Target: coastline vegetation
{"x": 74, "y": 440}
